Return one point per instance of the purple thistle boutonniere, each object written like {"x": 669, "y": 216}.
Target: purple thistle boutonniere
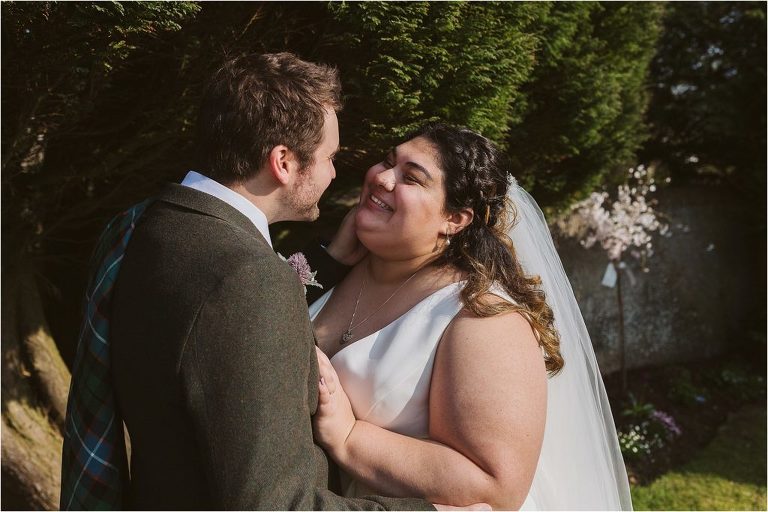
{"x": 298, "y": 262}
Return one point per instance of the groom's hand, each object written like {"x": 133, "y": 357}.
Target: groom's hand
{"x": 345, "y": 246}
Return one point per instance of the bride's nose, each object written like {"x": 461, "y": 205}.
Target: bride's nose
{"x": 386, "y": 180}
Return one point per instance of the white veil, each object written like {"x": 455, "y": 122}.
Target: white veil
{"x": 580, "y": 466}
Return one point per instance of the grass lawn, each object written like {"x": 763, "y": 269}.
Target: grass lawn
{"x": 729, "y": 474}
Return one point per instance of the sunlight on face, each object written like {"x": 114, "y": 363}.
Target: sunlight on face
{"x": 314, "y": 180}
{"x": 402, "y": 200}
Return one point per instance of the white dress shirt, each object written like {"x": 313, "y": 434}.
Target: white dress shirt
{"x": 205, "y": 184}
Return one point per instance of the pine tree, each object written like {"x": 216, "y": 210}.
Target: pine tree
{"x": 586, "y": 98}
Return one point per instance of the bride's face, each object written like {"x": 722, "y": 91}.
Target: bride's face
{"x": 401, "y": 212}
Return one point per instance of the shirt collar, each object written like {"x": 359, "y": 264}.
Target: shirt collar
{"x": 205, "y": 184}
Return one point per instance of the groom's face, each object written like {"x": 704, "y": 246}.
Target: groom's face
{"x": 312, "y": 181}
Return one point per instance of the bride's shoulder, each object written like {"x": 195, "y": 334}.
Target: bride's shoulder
{"x": 509, "y": 328}
{"x": 512, "y": 321}
{"x": 503, "y": 345}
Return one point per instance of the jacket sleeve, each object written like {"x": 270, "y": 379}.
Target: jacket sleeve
{"x": 329, "y": 271}
{"x": 249, "y": 374}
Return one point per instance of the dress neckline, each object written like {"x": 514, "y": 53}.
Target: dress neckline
{"x": 399, "y": 318}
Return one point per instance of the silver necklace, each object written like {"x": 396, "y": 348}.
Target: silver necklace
{"x": 348, "y": 333}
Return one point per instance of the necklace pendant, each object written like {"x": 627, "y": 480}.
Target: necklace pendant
{"x": 346, "y": 337}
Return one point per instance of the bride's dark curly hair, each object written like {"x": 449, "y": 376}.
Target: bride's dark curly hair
{"x": 475, "y": 177}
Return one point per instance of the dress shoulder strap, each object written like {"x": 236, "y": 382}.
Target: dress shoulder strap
{"x": 498, "y": 290}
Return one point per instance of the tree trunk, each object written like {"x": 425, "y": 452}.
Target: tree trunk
{"x": 35, "y": 383}
{"x": 622, "y": 340}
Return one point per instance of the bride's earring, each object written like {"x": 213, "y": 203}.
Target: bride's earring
{"x": 447, "y": 236}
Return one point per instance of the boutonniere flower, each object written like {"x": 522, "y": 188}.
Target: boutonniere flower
{"x": 298, "y": 263}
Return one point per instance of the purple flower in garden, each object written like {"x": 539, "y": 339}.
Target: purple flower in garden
{"x": 299, "y": 264}
{"x": 667, "y": 421}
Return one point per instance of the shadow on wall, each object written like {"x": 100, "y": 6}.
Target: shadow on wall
{"x": 704, "y": 294}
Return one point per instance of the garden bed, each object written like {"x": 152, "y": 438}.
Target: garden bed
{"x": 669, "y": 414}
{"x": 729, "y": 474}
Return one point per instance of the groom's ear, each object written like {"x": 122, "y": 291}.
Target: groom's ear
{"x": 282, "y": 164}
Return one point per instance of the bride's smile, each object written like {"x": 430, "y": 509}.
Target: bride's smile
{"x": 402, "y": 211}
{"x": 379, "y": 203}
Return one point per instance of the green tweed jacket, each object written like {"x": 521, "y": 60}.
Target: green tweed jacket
{"x": 214, "y": 367}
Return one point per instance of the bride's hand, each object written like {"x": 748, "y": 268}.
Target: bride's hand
{"x": 345, "y": 246}
{"x": 334, "y": 420}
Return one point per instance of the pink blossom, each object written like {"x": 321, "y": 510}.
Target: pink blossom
{"x": 626, "y": 223}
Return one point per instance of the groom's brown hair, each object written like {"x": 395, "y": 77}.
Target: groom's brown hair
{"x": 256, "y": 102}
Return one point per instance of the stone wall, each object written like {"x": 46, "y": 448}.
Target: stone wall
{"x": 705, "y": 291}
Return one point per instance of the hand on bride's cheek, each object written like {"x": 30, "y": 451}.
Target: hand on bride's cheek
{"x": 334, "y": 420}
{"x": 345, "y": 246}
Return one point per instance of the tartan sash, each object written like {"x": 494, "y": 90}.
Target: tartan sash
{"x": 94, "y": 468}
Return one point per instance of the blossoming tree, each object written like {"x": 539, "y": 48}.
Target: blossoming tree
{"x": 624, "y": 226}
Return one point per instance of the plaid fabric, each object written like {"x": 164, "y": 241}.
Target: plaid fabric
{"x": 94, "y": 469}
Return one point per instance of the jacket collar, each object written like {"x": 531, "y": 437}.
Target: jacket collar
{"x": 207, "y": 204}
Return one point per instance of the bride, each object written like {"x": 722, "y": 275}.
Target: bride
{"x": 460, "y": 368}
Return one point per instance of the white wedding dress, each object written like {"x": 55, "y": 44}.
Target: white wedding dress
{"x": 387, "y": 373}
{"x": 387, "y": 376}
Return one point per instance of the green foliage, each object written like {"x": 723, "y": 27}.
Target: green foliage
{"x": 407, "y": 62}
{"x": 709, "y": 92}
{"x": 78, "y": 51}
{"x": 683, "y": 390}
{"x": 736, "y": 378}
{"x": 107, "y": 110}
{"x": 741, "y": 383}
{"x": 637, "y": 409}
{"x": 586, "y": 98}
{"x": 100, "y": 98}
{"x": 561, "y": 85}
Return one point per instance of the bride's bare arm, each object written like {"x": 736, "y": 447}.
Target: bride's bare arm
{"x": 487, "y": 411}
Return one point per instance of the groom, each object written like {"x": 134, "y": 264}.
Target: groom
{"x": 213, "y": 359}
